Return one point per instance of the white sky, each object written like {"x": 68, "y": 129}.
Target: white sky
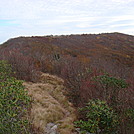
{"x": 57, "y": 17}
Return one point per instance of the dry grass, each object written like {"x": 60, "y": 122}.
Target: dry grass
{"x": 50, "y": 105}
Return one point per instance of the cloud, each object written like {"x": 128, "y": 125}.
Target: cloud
{"x": 122, "y": 1}
{"x": 41, "y": 17}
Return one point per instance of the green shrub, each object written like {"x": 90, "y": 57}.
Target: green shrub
{"x": 117, "y": 93}
{"x": 14, "y": 103}
{"x": 111, "y": 88}
{"x": 5, "y": 70}
{"x": 99, "y": 118}
{"x": 112, "y": 81}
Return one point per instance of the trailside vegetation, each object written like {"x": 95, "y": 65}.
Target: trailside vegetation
{"x": 14, "y": 103}
{"x": 99, "y": 118}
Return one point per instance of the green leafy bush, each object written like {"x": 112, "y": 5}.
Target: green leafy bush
{"x": 112, "y": 81}
{"x": 111, "y": 88}
{"x": 117, "y": 93}
{"x": 99, "y": 118}
{"x": 5, "y": 70}
{"x": 14, "y": 103}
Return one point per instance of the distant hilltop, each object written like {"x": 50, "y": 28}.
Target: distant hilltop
{"x": 109, "y": 51}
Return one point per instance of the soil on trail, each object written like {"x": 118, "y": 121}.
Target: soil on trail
{"x": 50, "y": 105}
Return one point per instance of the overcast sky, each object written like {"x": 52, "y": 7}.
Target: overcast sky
{"x": 57, "y": 17}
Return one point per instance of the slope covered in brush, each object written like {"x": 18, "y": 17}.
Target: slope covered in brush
{"x": 113, "y": 52}
{"x": 92, "y": 66}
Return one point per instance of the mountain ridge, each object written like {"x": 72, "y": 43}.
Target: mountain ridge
{"x": 66, "y": 35}
{"x": 106, "y": 49}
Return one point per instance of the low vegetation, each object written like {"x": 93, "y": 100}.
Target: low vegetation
{"x": 84, "y": 84}
{"x": 14, "y": 103}
{"x": 98, "y": 118}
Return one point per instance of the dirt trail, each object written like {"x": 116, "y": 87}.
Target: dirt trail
{"x": 50, "y": 105}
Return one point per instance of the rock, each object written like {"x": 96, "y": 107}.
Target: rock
{"x": 79, "y": 132}
{"x": 51, "y": 128}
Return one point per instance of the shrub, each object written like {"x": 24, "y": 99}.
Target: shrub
{"x": 112, "y": 87}
{"x": 14, "y": 103}
{"x": 5, "y": 70}
{"x": 99, "y": 118}
{"x": 119, "y": 95}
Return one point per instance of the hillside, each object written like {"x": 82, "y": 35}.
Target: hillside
{"x": 86, "y": 44}
{"x": 89, "y": 67}
{"x": 113, "y": 52}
